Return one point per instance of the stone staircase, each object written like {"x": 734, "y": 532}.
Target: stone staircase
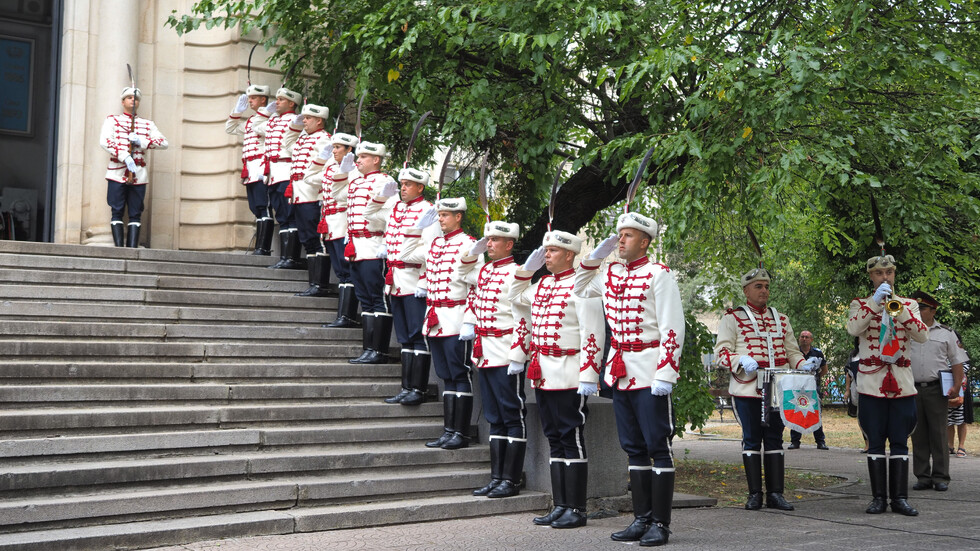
{"x": 153, "y": 397}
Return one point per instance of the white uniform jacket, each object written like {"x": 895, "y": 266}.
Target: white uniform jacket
{"x": 365, "y": 233}
{"x": 114, "y": 138}
{"x": 278, "y": 139}
{"x": 567, "y": 331}
{"x": 253, "y": 150}
{"x": 864, "y": 322}
{"x": 333, "y": 200}
{"x": 307, "y": 168}
{"x": 502, "y": 327}
{"x": 447, "y": 295}
{"x": 738, "y": 336}
{"x": 643, "y": 307}
{"x": 402, "y": 277}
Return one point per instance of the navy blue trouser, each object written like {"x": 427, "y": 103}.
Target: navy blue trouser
{"x": 368, "y": 277}
{"x": 646, "y": 426}
{"x": 754, "y": 435}
{"x": 890, "y": 419}
{"x": 341, "y": 267}
{"x": 306, "y": 217}
{"x": 563, "y": 414}
{"x": 280, "y": 205}
{"x": 408, "y": 315}
{"x": 450, "y": 357}
{"x": 503, "y": 401}
{"x": 125, "y": 196}
{"x": 258, "y": 198}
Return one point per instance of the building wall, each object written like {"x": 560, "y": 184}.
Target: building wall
{"x": 189, "y": 85}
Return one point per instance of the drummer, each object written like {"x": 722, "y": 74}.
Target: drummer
{"x": 749, "y": 338}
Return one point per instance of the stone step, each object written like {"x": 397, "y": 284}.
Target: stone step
{"x": 23, "y": 248}
{"x": 116, "y": 295}
{"x": 138, "y": 313}
{"x": 19, "y": 477}
{"x": 78, "y": 278}
{"x": 160, "y": 500}
{"x": 143, "y": 534}
{"x": 210, "y": 416}
{"x": 12, "y": 396}
{"x": 364, "y": 430}
{"x": 185, "y": 351}
{"x": 44, "y": 330}
{"x": 252, "y": 369}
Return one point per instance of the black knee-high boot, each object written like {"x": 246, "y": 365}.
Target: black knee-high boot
{"x": 576, "y": 481}
{"x": 448, "y": 420}
{"x": 775, "y": 473}
{"x": 557, "y": 467}
{"x": 753, "y": 475}
{"x": 898, "y": 485}
{"x": 498, "y": 445}
{"x": 641, "y": 487}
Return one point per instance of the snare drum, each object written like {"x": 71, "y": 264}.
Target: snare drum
{"x": 768, "y": 380}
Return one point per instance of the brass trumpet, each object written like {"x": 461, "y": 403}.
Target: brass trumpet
{"x": 893, "y": 306}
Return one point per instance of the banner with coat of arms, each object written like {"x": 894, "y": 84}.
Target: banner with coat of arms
{"x": 799, "y": 402}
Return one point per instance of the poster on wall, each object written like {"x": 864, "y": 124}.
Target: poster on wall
{"x": 16, "y": 83}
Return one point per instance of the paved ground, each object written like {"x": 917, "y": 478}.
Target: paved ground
{"x": 831, "y": 520}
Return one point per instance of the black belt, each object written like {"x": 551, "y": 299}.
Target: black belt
{"x": 927, "y": 383}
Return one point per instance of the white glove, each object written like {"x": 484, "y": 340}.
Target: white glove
{"x": 605, "y": 247}
{"x": 383, "y": 251}
{"x": 883, "y": 291}
{"x": 268, "y": 109}
{"x": 137, "y": 140}
{"x": 811, "y": 364}
{"x": 515, "y": 368}
{"x": 479, "y": 247}
{"x": 588, "y": 389}
{"x": 326, "y": 153}
{"x": 130, "y": 163}
{"x": 347, "y": 163}
{"x": 427, "y": 219}
{"x": 241, "y": 105}
{"x": 661, "y": 388}
{"x": 420, "y": 292}
{"x": 748, "y": 363}
{"x": 467, "y": 332}
{"x": 534, "y": 260}
{"x": 391, "y": 188}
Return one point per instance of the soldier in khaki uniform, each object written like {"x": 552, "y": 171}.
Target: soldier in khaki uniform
{"x": 940, "y": 352}
{"x": 750, "y": 337}
{"x": 886, "y": 390}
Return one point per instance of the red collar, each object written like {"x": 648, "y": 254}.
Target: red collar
{"x": 413, "y": 201}
{"x": 503, "y": 261}
{"x": 637, "y": 263}
{"x": 369, "y": 173}
{"x": 755, "y": 309}
{"x": 564, "y": 274}
{"x": 453, "y": 233}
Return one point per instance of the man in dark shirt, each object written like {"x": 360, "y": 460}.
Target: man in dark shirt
{"x": 806, "y": 347}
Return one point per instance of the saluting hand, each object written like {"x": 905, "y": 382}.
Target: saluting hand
{"x": 347, "y": 163}
{"x": 390, "y": 188}
{"x": 534, "y": 260}
{"x": 241, "y": 105}
{"x": 427, "y": 219}
{"x": 479, "y": 247}
{"x": 326, "y": 152}
{"x": 605, "y": 247}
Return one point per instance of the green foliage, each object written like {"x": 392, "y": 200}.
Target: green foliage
{"x": 693, "y": 403}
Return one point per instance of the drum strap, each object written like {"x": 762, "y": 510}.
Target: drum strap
{"x": 768, "y": 335}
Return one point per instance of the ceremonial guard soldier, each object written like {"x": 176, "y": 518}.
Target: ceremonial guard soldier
{"x": 886, "y": 387}
{"x": 303, "y": 192}
{"x": 365, "y": 250}
{"x": 499, "y": 330}
{"x": 253, "y": 162}
{"x": 643, "y": 309}
{"x": 278, "y": 140}
{"x": 126, "y": 138}
{"x": 751, "y": 337}
{"x": 445, "y": 299}
{"x": 339, "y": 171}
{"x": 567, "y": 337}
{"x": 405, "y": 266}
